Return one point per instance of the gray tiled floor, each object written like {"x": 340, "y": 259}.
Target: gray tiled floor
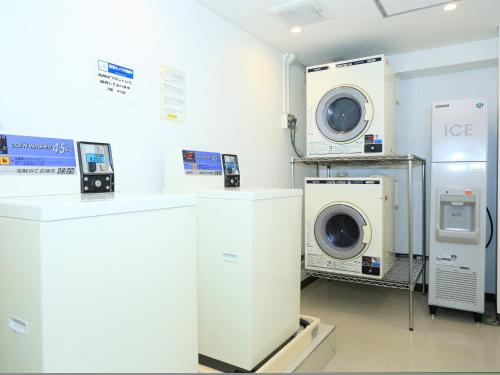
{"x": 372, "y": 331}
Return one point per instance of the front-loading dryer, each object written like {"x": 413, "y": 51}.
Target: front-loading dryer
{"x": 349, "y": 225}
{"x": 351, "y": 108}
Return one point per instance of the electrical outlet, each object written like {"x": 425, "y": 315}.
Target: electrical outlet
{"x": 291, "y": 121}
{"x": 288, "y": 121}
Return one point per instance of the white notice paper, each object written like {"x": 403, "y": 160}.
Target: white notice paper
{"x": 172, "y": 95}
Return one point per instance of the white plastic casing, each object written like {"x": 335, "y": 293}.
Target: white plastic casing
{"x": 91, "y": 284}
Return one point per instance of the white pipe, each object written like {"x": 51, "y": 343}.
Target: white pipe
{"x": 288, "y": 59}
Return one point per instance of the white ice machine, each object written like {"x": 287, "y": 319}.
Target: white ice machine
{"x": 458, "y": 219}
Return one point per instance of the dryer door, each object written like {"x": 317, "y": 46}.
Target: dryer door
{"x": 344, "y": 113}
{"x": 339, "y": 232}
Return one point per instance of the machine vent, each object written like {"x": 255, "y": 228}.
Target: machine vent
{"x": 456, "y": 286}
{"x": 300, "y": 12}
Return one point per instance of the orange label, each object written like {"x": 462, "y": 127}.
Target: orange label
{"x": 468, "y": 192}
{"x": 4, "y": 160}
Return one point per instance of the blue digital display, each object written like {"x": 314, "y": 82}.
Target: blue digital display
{"x": 94, "y": 158}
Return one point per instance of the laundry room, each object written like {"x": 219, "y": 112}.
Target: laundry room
{"x": 269, "y": 186}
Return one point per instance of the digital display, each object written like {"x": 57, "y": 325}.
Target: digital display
{"x": 188, "y": 156}
{"x": 95, "y": 158}
{"x": 231, "y": 167}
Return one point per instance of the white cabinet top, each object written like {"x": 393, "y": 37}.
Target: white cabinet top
{"x": 72, "y": 206}
{"x": 252, "y": 194}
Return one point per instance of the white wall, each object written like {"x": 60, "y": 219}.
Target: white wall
{"x": 497, "y": 194}
{"x": 455, "y": 57}
{"x": 48, "y": 76}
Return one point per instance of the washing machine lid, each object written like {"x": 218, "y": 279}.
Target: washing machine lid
{"x": 344, "y": 113}
{"x": 340, "y": 232}
{"x": 250, "y": 194}
{"x": 73, "y": 206}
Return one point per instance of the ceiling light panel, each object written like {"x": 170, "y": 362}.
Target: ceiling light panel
{"x": 297, "y": 13}
{"x": 390, "y": 8}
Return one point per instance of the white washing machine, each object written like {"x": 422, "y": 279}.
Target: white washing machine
{"x": 349, "y": 225}
{"x": 90, "y": 282}
{"x": 351, "y": 108}
{"x": 81, "y": 279}
{"x": 249, "y": 246}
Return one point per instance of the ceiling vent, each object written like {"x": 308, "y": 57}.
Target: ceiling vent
{"x": 298, "y": 13}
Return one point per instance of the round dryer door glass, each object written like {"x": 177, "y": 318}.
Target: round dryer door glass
{"x": 339, "y": 232}
{"x": 341, "y": 115}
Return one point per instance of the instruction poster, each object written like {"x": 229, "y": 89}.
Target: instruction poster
{"x": 172, "y": 95}
{"x": 25, "y": 155}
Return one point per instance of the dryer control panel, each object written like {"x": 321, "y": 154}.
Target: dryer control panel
{"x": 96, "y": 167}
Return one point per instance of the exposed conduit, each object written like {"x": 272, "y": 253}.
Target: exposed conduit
{"x": 288, "y": 60}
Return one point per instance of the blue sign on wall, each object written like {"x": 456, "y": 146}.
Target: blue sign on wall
{"x": 35, "y": 155}
{"x": 115, "y": 69}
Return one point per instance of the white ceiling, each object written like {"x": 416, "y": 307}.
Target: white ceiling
{"x": 358, "y": 28}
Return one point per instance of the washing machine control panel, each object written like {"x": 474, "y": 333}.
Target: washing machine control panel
{"x": 96, "y": 167}
{"x": 231, "y": 170}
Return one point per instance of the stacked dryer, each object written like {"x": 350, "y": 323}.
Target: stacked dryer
{"x": 350, "y": 221}
{"x": 350, "y": 108}
{"x": 350, "y": 225}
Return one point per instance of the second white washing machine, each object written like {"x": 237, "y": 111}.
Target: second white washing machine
{"x": 249, "y": 244}
{"x": 351, "y": 108}
{"x": 349, "y": 225}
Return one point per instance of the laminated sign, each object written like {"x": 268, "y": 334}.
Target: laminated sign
{"x": 23, "y": 155}
{"x": 172, "y": 95}
{"x": 115, "y": 78}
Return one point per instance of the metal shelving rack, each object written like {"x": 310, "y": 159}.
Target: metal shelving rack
{"x": 407, "y": 269}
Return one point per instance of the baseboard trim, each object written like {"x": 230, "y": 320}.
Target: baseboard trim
{"x": 307, "y": 281}
{"x": 489, "y": 297}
